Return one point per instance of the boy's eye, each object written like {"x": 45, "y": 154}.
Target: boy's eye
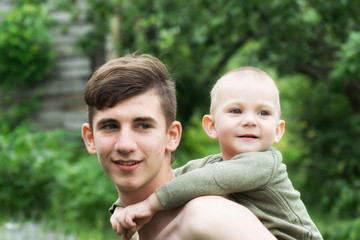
{"x": 264, "y": 113}
{"x": 236, "y": 111}
{"x": 110, "y": 126}
{"x": 144, "y": 126}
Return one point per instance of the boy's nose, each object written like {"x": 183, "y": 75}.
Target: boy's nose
{"x": 125, "y": 142}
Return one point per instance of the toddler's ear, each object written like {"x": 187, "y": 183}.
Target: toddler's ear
{"x": 209, "y": 126}
{"x": 280, "y": 129}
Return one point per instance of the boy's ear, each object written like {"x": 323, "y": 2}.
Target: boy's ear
{"x": 88, "y": 138}
{"x": 174, "y": 136}
{"x": 209, "y": 126}
{"x": 280, "y": 129}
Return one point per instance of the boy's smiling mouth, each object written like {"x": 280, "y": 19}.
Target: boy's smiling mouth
{"x": 126, "y": 163}
{"x": 129, "y": 163}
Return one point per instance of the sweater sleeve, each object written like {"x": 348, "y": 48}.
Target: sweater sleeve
{"x": 245, "y": 172}
{"x": 116, "y": 204}
{"x": 197, "y": 163}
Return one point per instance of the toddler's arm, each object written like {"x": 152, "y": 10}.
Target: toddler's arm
{"x": 245, "y": 172}
{"x": 196, "y": 164}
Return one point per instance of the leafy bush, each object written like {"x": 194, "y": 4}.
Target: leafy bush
{"x": 14, "y": 109}
{"x": 339, "y": 229}
{"x": 83, "y": 192}
{"x": 25, "y": 46}
{"x": 322, "y": 148}
{"x": 332, "y": 153}
{"x": 28, "y": 162}
{"x": 50, "y": 174}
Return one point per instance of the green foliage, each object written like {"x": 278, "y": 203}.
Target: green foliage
{"x": 339, "y": 229}
{"x": 194, "y": 38}
{"x": 25, "y": 46}
{"x": 14, "y": 110}
{"x": 321, "y": 154}
{"x": 99, "y": 14}
{"x": 27, "y": 166}
{"x": 23, "y": 2}
{"x": 82, "y": 192}
{"x": 331, "y": 153}
{"x": 49, "y": 174}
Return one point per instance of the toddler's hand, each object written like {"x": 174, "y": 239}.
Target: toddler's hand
{"x": 119, "y": 225}
{"x": 129, "y": 220}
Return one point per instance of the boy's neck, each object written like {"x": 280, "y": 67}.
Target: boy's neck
{"x": 135, "y": 196}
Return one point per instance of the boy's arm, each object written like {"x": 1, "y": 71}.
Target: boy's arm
{"x": 244, "y": 172}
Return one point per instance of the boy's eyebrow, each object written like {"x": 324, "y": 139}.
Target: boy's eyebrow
{"x": 105, "y": 121}
{"x": 145, "y": 119}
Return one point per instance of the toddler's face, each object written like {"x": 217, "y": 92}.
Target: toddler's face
{"x": 246, "y": 115}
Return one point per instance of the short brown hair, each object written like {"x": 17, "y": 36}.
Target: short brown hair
{"x": 129, "y": 76}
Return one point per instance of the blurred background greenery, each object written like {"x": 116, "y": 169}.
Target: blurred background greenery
{"x": 310, "y": 48}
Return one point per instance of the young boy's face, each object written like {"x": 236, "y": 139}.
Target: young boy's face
{"x": 246, "y": 114}
{"x": 132, "y": 142}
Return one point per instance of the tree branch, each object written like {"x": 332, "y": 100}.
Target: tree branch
{"x": 229, "y": 52}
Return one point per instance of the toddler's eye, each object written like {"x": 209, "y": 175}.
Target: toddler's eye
{"x": 264, "y": 113}
{"x": 236, "y": 111}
